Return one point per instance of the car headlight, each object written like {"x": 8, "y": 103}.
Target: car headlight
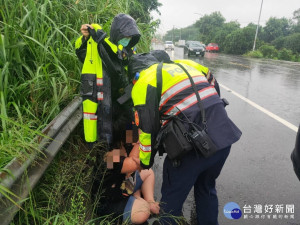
{"x": 191, "y": 49}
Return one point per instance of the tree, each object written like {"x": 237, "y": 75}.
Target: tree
{"x": 276, "y": 28}
{"x": 221, "y": 34}
{"x": 140, "y": 10}
{"x": 292, "y": 42}
{"x": 296, "y": 17}
{"x": 240, "y": 41}
{"x": 210, "y": 23}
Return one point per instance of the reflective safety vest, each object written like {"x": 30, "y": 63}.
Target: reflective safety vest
{"x": 177, "y": 95}
{"x": 205, "y": 70}
{"x": 95, "y": 86}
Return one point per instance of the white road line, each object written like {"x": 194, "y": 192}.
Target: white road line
{"x": 284, "y": 122}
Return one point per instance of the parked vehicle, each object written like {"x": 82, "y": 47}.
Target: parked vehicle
{"x": 212, "y": 47}
{"x": 181, "y": 43}
{"x": 194, "y": 48}
{"x": 169, "y": 45}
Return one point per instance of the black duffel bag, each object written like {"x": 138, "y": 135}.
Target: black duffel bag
{"x": 177, "y": 141}
{"x": 174, "y": 139}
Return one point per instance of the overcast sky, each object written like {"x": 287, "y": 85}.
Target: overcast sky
{"x": 182, "y": 13}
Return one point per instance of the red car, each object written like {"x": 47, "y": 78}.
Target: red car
{"x": 212, "y": 47}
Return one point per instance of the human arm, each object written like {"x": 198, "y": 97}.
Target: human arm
{"x": 81, "y": 42}
{"x": 131, "y": 163}
{"x": 144, "y": 96}
{"x": 87, "y": 30}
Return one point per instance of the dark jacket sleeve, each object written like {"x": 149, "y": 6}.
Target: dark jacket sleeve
{"x": 296, "y": 155}
{"x": 81, "y": 51}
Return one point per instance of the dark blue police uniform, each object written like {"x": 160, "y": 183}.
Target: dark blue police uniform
{"x": 197, "y": 171}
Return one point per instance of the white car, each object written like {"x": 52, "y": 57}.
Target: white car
{"x": 169, "y": 45}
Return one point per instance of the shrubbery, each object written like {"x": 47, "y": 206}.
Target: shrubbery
{"x": 268, "y": 51}
{"x": 285, "y": 54}
{"x": 254, "y": 54}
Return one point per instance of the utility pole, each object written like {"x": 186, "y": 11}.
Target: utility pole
{"x": 180, "y": 33}
{"x": 257, "y": 25}
{"x": 173, "y": 34}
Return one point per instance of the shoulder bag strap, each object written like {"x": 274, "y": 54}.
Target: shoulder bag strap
{"x": 197, "y": 94}
{"x": 159, "y": 81}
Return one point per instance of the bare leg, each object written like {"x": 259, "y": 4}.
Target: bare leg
{"x": 148, "y": 189}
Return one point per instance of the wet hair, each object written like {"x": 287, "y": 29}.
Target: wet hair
{"x": 161, "y": 56}
{"x": 139, "y": 62}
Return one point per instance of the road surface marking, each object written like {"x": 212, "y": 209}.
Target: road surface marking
{"x": 284, "y": 122}
{"x": 242, "y": 65}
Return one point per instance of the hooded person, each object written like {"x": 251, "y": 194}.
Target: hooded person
{"x": 103, "y": 81}
{"x": 124, "y": 33}
{"x": 104, "y": 78}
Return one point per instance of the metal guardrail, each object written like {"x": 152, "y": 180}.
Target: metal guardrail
{"x": 24, "y": 175}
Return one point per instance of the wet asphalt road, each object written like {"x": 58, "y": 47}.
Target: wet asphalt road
{"x": 258, "y": 170}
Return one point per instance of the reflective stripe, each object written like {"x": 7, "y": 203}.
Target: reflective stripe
{"x": 145, "y": 148}
{"x": 100, "y": 96}
{"x": 208, "y": 75}
{"x": 191, "y": 100}
{"x": 175, "y": 89}
{"x": 78, "y": 42}
{"x": 212, "y": 82}
{"x": 89, "y": 116}
{"x": 99, "y": 81}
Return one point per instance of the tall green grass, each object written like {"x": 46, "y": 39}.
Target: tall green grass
{"x": 39, "y": 71}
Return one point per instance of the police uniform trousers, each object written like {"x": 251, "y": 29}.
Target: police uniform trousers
{"x": 196, "y": 171}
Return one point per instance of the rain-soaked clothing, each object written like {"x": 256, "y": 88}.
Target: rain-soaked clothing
{"x": 177, "y": 93}
{"x": 103, "y": 80}
{"x": 177, "y": 97}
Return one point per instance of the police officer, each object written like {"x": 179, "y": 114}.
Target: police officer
{"x": 177, "y": 98}
{"x": 104, "y": 78}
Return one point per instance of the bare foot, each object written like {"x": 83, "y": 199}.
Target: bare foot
{"x": 154, "y": 207}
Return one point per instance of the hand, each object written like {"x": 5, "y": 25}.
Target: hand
{"x": 84, "y": 30}
{"x": 97, "y": 36}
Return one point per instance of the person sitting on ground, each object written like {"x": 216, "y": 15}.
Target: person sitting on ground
{"x": 128, "y": 194}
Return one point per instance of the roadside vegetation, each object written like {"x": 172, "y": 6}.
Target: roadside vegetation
{"x": 39, "y": 71}
{"x": 39, "y": 76}
{"x": 278, "y": 39}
